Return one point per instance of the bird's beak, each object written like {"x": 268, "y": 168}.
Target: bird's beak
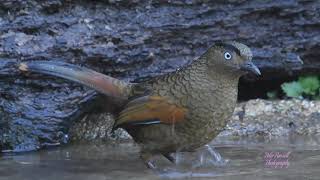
{"x": 250, "y": 67}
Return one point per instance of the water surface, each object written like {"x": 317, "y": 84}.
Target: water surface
{"x": 294, "y": 157}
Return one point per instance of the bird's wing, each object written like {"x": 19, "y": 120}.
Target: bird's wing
{"x": 150, "y": 110}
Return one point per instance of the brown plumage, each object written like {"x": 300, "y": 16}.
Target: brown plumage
{"x": 179, "y": 111}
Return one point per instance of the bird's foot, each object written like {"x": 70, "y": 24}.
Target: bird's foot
{"x": 150, "y": 165}
{"x": 147, "y": 159}
{"x": 210, "y": 157}
{"x": 149, "y": 162}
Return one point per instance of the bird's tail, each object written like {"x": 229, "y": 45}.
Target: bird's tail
{"x": 102, "y": 83}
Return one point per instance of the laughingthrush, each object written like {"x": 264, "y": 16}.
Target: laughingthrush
{"x": 178, "y": 111}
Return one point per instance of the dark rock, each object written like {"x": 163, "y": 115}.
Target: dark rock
{"x": 134, "y": 39}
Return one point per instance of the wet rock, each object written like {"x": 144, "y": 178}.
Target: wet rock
{"x": 130, "y": 40}
{"x": 96, "y": 126}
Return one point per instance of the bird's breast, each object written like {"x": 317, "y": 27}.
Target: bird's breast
{"x": 209, "y": 105}
{"x": 209, "y": 112}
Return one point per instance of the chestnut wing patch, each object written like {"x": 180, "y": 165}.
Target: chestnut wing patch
{"x": 150, "y": 110}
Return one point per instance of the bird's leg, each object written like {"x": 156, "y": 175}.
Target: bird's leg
{"x": 214, "y": 154}
{"x": 210, "y": 157}
{"x": 147, "y": 159}
{"x": 171, "y": 157}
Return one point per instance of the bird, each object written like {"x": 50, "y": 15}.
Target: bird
{"x": 180, "y": 111}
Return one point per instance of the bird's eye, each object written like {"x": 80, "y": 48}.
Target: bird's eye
{"x": 227, "y": 56}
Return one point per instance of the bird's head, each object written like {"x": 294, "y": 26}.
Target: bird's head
{"x": 232, "y": 57}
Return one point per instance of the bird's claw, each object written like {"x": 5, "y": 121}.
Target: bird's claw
{"x": 147, "y": 159}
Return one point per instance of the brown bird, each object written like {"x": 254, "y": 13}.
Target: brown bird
{"x": 179, "y": 111}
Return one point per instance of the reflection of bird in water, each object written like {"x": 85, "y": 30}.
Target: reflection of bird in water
{"x": 179, "y": 111}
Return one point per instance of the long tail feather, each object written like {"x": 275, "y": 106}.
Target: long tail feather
{"x": 100, "y": 82}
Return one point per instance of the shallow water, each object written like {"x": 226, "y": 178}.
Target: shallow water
{"x": 294, "y": 157}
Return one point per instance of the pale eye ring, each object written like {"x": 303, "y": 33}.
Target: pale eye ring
{"x": 227, "y": 56}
